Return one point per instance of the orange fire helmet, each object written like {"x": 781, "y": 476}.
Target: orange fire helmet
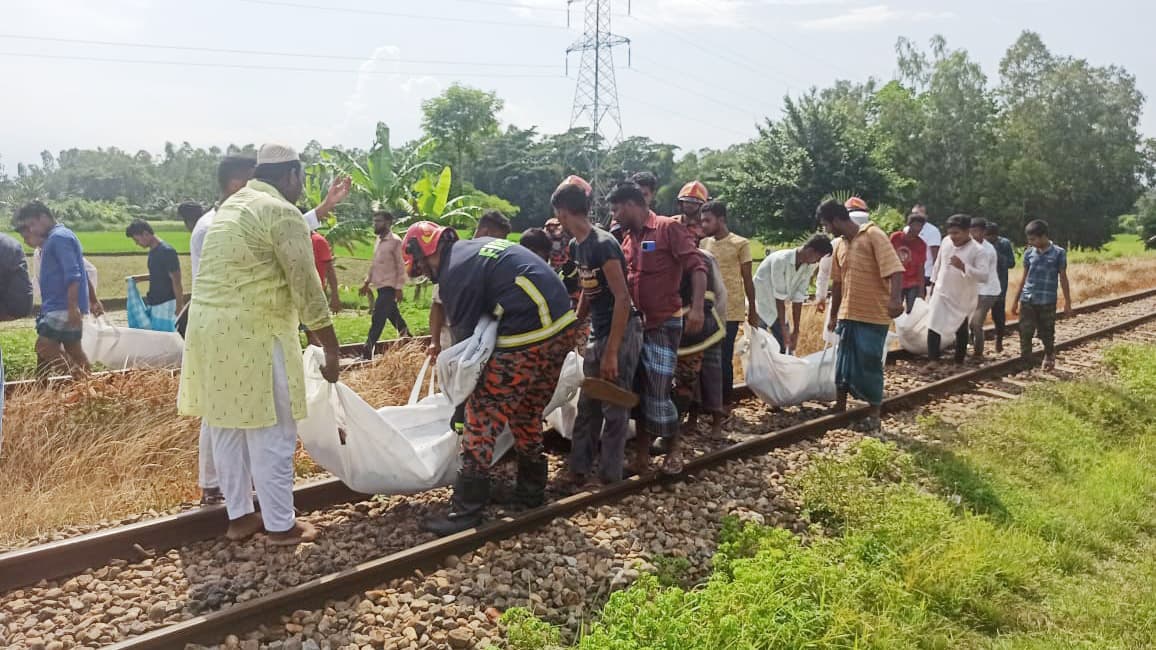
{"x": 423, "y": 238}
{"x": 694, "y": 191}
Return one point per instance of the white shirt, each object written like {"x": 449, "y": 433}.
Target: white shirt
{"x": 989, "y": 259}
{"x": 197, "y": 239}
{"x": 778, "y": 279}
{"x": 956, "y": 292}
{"x": 930, "y": 236}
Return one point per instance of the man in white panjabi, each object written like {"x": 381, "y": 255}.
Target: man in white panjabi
{"x": 242, "y": 372}
{"x": 959, "y": 271}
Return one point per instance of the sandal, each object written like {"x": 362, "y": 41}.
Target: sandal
{"x": 672, "y": 464}
{"x": 212, "y": 496}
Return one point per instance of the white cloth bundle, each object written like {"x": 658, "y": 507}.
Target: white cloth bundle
{"x": 118, "y": 348}
{"x": 912, "y": 327}
{"x": 783, "y": 380}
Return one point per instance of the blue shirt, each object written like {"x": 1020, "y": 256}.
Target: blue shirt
{"x": 61, "y": 264}
{"x": 1005, "y": 259}
{"x": 1042, "y": 271}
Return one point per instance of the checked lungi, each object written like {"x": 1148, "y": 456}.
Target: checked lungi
{"x": 657, "y": 365}
{"x": 859, "y": 364}
{"x": 159, "y": 318}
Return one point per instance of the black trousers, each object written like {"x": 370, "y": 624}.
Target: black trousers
{"x": 384, "y": 309}
{"x": 999, "y": 313}
{"x": 961, "y": 336}
{"x": 728, "y": 361}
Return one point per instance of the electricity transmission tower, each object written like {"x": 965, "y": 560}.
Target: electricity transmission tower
{"x": 596, "y": 95}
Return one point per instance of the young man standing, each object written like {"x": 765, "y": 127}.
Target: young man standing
{"x": 1045, "y": 270}
{"x": 1005, "y": 260}
{"x": 157, "y": 310}
{"x": 958, "y": 273}
{"x": 733, "y": 254}
{"x": 659, "y": 253}
{"x": 615, "y": 338}
{"x": 912, "y": 251}
{"x": 932, "y": 238}
{"x": 535, "y": 333}
{"x": 989, "y": 288}
{"x": 782, "y": 278}
{"x": 868, "y": 279}
{"x": 243, "y": 373}
{"x": 387, "y": 277}
{"x": 63, "y": 290}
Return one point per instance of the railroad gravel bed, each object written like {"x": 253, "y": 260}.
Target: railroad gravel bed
{"x": 563, "y": 571}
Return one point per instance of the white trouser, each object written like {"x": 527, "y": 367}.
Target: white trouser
{"x": 261, "y": 458}
{"x": 208, "y": 470}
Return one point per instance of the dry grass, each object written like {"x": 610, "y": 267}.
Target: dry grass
{"x": 113, "y": 446}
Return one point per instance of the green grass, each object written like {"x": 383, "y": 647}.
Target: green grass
{"x": 1032, "y": 527}
{"x": 1120, "y": 246}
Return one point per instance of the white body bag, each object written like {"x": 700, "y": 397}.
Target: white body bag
{"x": 118, "y": 348}
{"x": 391, "y": 450}
{"x": 784, "y": 380}
{"x": 912, "y": 328}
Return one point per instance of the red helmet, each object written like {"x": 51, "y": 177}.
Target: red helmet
{"x": 423, "y": 238}
{"x": 855, "y": 204}
{"x": 579, "y": 181}
{"x": 693, "y": 191}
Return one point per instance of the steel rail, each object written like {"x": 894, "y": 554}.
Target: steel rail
{"x": 25, "y": 566}
{"x": 350, "y": 350}
{"x": 210, "y": 628}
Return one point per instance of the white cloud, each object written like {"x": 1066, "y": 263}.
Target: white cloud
{"x": 865, "y": 18}
{"x": 382, "y": 92}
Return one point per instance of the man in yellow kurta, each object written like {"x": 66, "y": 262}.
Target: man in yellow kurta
{"x": 243, "y": 372}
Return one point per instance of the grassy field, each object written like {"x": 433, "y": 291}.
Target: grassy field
{"x": 1031, "y": 526}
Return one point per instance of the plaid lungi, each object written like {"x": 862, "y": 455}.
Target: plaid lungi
{"x": 658, "y": 361}
{"x": 160, "y": 318}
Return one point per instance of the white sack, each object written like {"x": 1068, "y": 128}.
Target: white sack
{"x": 912, "y": 328}
{"x": 391, "y": 450}
{"x": 122, "y": 347}
{"x": 460, "y": 365}
{"x": 783, "y": 380}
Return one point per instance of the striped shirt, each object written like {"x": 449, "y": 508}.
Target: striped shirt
{"x": 863, "y": 267}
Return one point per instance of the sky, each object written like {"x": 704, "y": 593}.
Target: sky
{"x": 701, "y": 73}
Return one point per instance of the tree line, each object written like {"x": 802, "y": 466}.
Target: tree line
{"x": 1052, "y": 137}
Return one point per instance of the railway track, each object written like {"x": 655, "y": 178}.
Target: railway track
{"x": 49, "y": 561}
{"x": 137, "y": 541}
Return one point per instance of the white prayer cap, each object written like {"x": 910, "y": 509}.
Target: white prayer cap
{"x": 860, "y": 217}
{"x": 272, "y": 153}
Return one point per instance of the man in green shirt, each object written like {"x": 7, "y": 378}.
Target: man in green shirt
{"x": 243, "y": 373}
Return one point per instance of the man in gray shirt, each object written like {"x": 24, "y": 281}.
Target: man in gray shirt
{"x": 15, "y": 295}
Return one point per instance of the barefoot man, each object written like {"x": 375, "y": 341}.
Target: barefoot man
{"x": 243, "y": 374}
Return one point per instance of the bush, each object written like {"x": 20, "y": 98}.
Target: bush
{"x": 84, "y": 215}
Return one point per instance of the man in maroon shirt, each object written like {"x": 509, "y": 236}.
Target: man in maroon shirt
{"x": 659, "y": 253}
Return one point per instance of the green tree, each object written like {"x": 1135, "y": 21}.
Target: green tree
{"x": 460, "y": 120}
{"x": 1069, "y": 150}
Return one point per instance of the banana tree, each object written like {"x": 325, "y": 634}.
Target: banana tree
{"x": 431, "y": 202}
{"x": 343, "y": 227}
{"x": 383, "y": 177}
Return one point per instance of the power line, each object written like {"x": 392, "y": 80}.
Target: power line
{"x": 689, "y": 118}
{"x": 396, "y": 14}
{"x": 692, "y": 40}
{"x": 249, "y": 66}
{"x": 707, "y": 82}
{"x": 221, "y": 50}
{"x": 704, "y": 96}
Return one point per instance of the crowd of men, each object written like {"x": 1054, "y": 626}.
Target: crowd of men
{"x": 653, "y": 303}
